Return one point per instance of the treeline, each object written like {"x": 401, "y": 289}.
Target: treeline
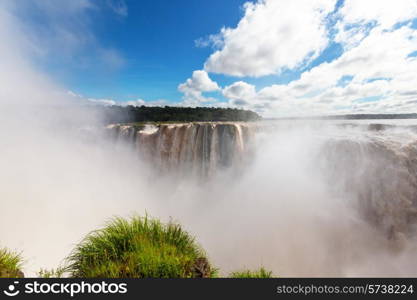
{"x": 357, "y": 117}
{"x": 377, "y": 116}
{"x": 129, "y": 114}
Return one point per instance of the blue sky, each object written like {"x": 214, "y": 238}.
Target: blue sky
{"x": 278, "y": 57}
{"x": 156, "y": 40}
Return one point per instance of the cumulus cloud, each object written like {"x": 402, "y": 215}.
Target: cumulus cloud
{"x": 375, "y": 73}
{"x": 200, "y": 81}
{"x": 240, "y": 93}
{"x": 386, "y": 13}
{"x": 272, "y": 36}
{"x": 239, "y": 90}
{"x": 194, "y": 87}
{"x": 381, "y": 80}
{"x": 358, "y": 17}
{"x": 386, "y": 75}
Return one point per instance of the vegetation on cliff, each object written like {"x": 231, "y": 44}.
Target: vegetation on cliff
{"x": 139, "y": 248}
{"x": 131, "y": 114}
{"x": 10, "y": 264}
{"x": 260, "y": 273}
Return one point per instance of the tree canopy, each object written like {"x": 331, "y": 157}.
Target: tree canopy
{"x": 129, "y": 114}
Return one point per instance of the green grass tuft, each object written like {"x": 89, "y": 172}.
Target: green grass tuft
{"x": 139, "y": 248}
{"x": 10, "y": 264}
{"x": 260, "y": 273}
{"x": 52, "y": 273}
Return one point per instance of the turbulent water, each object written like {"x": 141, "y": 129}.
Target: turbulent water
{"x": 377, "y": 171}
{"x": 373, "y": 167}
{"x": 199, "y": 149}
{"x": 301, "y": 198}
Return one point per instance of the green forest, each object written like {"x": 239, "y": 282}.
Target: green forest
{"x": 130, "y": 114}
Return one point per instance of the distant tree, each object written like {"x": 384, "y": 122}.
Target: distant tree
{"x": 128, "y": 114}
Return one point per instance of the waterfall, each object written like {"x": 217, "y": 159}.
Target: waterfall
{"x": 373, "y": 166}
{"x": 200, "y": 149}
{"x": 378, "y": 175}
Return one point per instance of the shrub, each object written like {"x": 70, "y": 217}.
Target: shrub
{"x": 10, "y": 264}
{"x": 260, "y": 273}
{"x": 52, "y": 273}
{"x": 138, "y": 248}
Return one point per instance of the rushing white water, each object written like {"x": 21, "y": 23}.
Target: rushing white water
{"x": 200, "y": 149}
{"x": 301, "y": 198}
{"x": 356, "y": 182}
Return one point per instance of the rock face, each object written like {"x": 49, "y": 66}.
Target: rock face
{"x": 199, "y": 149}
{"x": 378, "y": 175}
{"x": 201, "y": 268}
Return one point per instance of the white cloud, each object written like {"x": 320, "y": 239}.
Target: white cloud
{"x": 194, "y": 87}
{"x": 138, "y": 102}
{"x": 375, "y": 59}
{"x": 214, "y": 40}
{"x": 108, "y": 102}
{"x": 239, "y": 90}
{"x": 272, "y": 35}
{"x": 379, "y": 67}
{"x": 241, "y": 93}
{"x": 105, "y": 102}
{"x": 200, "y": 81}
{"x": 357, "y": 17}
{"x": 385, "y": 12}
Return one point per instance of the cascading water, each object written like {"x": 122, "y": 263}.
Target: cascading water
{"x": 300, "y": 198}
{"x": 376, "y": 171}
{"x": 373, "y": 166}
{"x": 199, "y": 149}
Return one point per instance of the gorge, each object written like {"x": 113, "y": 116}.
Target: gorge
{"x": 372, "y": 166}
{"x": 320, "y": 198}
